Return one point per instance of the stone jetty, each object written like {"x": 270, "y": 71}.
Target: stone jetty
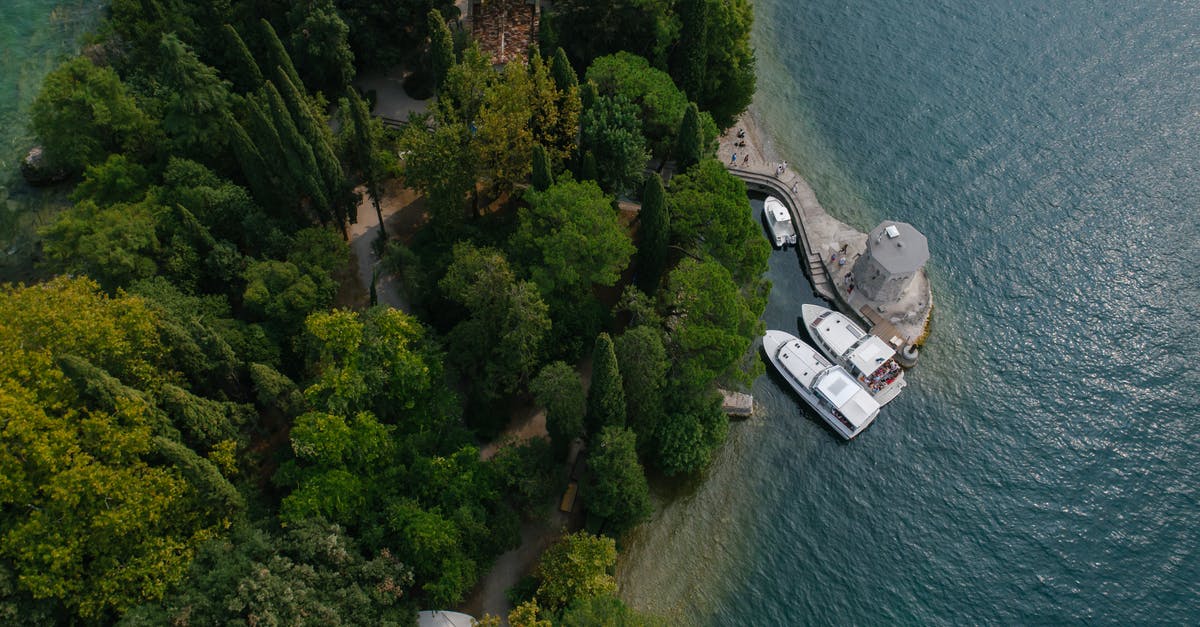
{"x": 830, "y": 250}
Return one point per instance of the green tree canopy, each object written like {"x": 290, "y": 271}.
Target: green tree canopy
{"x": 713, "y": 323}
{"x": 579, "y": 566}
{"x": 689, "y": 142}
{"x": 710, "y": 214}
{"x": 321, "y": 44}
{"x": 569, "y": 239}
{"x": 96, "y": 513}
{"x": 611, "y": 131}
{"x": 617, "y": 492}
{"x": 558, "y": 388}
{"x": 642, "y": 359}
{"x": 606, "y": 397}
{"x": 654, "y": 236}
{"x": 83, "y": 112}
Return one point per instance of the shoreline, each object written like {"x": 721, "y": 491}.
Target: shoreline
{"x": 827, "y": 237}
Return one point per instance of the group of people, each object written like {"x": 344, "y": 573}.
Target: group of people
{"x": 884, "y": 376}
{"x": 781, "y": 168}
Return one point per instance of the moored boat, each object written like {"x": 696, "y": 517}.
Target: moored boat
{"x": 868, "y": 358}
{"x": 826, "y": 387}
{"x": 779, "y": 223}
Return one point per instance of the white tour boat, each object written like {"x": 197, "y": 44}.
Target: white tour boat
{"x": 779, "y": 223}
{"x": 868, "y": 358}
{"x": 828, "y": 388}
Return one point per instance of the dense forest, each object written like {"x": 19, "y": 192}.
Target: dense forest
{"x": 192, "y": 434}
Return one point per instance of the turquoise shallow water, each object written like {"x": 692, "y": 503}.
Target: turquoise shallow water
{"x": 1042, "y": 465}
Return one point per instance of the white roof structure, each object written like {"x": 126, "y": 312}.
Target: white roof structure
{"x": 850, "y": 399}
{"x": 871, "y": 354}
{"x": 839, "y": 332}
{"x": 906, "y": 251}
{"x": 778, "y": 212}
{"x": 802, "y": 362}
{"x": 440, "y": 618}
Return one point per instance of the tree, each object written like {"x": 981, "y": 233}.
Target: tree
{"x": 688, "y": 141}
{"x": 441, "y": 164}
{"x": 243, "y": 70}
{"x": 563, "y": 73}
{"x": 277, "y": 55}
{"x": 320, "y": 41}
{"x": 569, "y": 239}
{"x": 369, "y": 154}
{"x": 690, "y": 56}
{"x": 605, "y": 610}
{"x": 313, "y": 572}
{"x": 541, "y": 179}
{"x": 465, "y": 88}
{"x": 691, "y": 431}
{"x": 504, "y": 140}
{"x": 642, "y": 359}
{"x": 441, "y": 47}
{"x": 84, "y": 112}
{"x": 611, "y": 131}
{"x": 617, "y": 491}
{"x": 93, "y": 511}
{"x": 606, "y": 397}
{"x": 385, "y": 34}
{"x": 589, "y": 29}
{"x": 579, "y": 566}
{"x": 710, "y": 214}
{"x": 659, "y": 101}
{"x": 116, "y": 244}
{"x": 558, "y": 388}
{"x": 727, "y": 81}
{"x": 712, "y": 321}
{"x": 195, "y": 100}
{"x": 498, "y": 346}
{"x": 654, "y": 235}
{"x": 527, "y": 615}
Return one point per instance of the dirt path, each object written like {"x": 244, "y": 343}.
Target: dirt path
{"x": 403, "y": 213}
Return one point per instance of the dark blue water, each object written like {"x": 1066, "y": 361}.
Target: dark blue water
{"x": 1042, "y": 466}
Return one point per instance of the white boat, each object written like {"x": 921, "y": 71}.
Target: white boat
{"x": 868, "y": 358}
{"x": 779, "y": 223}
{"x": 826, "y": 387}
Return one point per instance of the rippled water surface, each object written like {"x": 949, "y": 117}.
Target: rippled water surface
{"x": 1043, "y": 463}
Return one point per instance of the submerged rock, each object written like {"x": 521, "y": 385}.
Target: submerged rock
{"x": 38, "y": 171}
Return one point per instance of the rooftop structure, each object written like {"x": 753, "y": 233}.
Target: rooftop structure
{"x": 895, "y": 253}
{"x": 505, "y": 28}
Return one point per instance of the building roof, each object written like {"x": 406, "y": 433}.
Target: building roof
{"x": 906, "y": 251}
{"x": 851, "y": 400}
{"x": 441, "y": 618}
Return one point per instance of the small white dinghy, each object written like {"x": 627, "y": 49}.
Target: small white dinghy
{"x": 779, "y": 223}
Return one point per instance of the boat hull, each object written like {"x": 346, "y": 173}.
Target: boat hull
{"x": 810, "y": 313}
{"x": 772, "y": 342}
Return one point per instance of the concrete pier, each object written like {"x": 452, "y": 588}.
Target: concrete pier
{"x": 828, "y": 248}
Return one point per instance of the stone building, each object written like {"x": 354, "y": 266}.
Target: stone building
{"x": 895, "y": 253}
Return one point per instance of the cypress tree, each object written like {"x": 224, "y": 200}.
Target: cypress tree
{"x": 587, "y": 169}
{"x": 441, "y": 48}
{"x": 689, "y": 140}
{"x": 246, "y": 74}
{"x": 297, "y": 152}
{"x": 587, "y": 94}
{"x": 654, "y": 234}
{"x": 541, "y": 178}
{"x": 315, "y": 132}
{"x": 564, "y": 75}
{"x": 691, "y": 53}
{"x": 606, "y": 397}
{"x": 265, "y": 185}
{"x": 278, "y": 55}
{"x": 365, "y": 150}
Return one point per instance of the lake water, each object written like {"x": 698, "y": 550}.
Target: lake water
{"x": 1042, "y": 466}
{"x": 35, "y": 36}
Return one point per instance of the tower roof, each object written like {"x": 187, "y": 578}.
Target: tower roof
{"x": 898, "y": 247}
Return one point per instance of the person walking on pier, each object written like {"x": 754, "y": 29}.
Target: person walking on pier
{"x": 733, "y": 160}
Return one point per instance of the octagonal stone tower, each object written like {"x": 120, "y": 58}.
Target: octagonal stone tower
{"x": 895, "y": 253}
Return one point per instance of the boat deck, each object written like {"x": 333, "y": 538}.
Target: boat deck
{"x": 883, "y": 329}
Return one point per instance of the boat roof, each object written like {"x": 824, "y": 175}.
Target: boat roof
{"x": 870, "y": 354}
{"x": 838, "y": 332}
{"x": 802, "y": 362}
{"x": 778, "y": 212}
{"x": 839, "y": 388}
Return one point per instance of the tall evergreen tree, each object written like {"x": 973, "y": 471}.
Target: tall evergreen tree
{"x": 606, "y": 397}
{"x": 617, "y": 493}
{"x": 558, "y": 389}
{"x": 297, "y": 152}
{"x": 366, "y": 152}
{"x": 689, "y": 142}
{"x": 541, "y": 178}
{"x": 277, "y": 54}
{"x": 320, "y": 138}
{"x": 441, "y": 48}
{"x": 243, "y": 70}
{"x": 266, "y": 189}
{"x": 688, "y": 62}
{"x": 560, "y": 68}
{"x": 655, "y": 234}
